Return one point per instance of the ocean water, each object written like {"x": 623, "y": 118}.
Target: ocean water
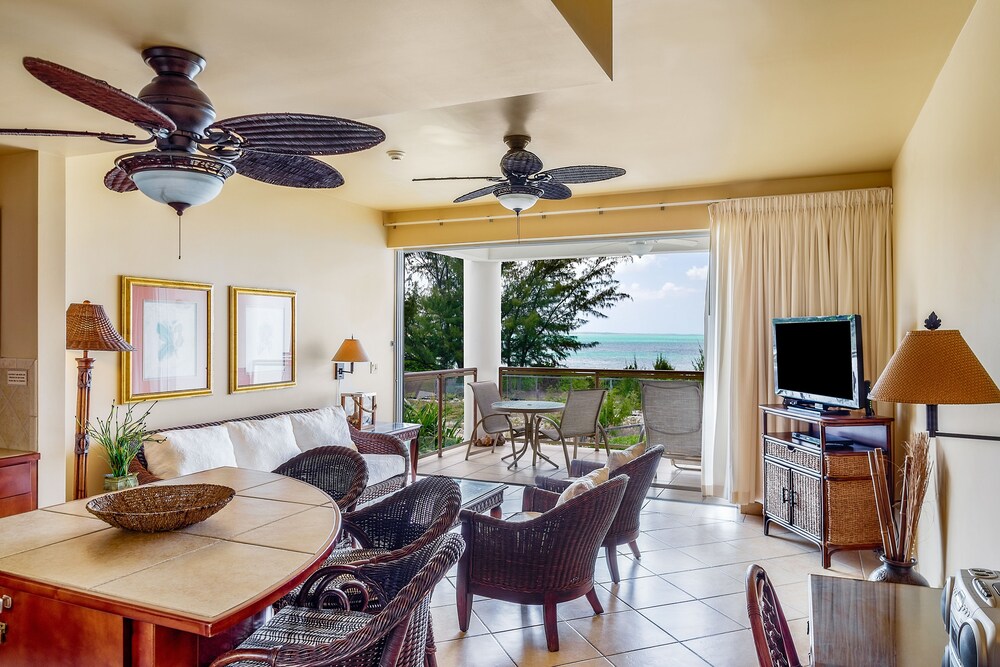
{"x": 616, "y": 350}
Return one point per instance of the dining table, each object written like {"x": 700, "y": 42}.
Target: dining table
{"x": 530, "y": 410}
{"x": 76, "y": 591}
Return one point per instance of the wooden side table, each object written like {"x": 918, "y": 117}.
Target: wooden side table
{"x": 406, "y": 432}
{"x": 18, "y": 481}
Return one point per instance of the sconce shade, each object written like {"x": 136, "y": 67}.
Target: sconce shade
{"x": 88, "y": 328}
{"x": 935, "y": 368}
{"x": 351, "y": 351}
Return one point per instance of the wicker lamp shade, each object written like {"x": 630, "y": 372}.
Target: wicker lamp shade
{"x": 351, "y": 351}
{"x": 88, "y": 328}
{"x": 935, "y": 368}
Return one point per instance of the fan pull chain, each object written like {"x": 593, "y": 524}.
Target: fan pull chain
{"x": 517, "y": 214}
{"x": 178, "y": 234}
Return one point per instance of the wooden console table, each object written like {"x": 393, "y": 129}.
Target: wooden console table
{"x": 406, "y": 432}
{"x": 18, "y": 481}
{"x": 84, "y": 593}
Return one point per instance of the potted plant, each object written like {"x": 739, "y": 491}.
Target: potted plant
{"x": 120, "y": 437}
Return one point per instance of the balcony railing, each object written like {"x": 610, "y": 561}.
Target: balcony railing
{"x": 436, "y": 401}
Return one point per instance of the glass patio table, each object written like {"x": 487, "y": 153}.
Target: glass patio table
{"x": 530, "y": 410}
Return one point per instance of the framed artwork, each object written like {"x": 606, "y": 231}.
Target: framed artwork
{"x": 170, "y": 325}
{"x": 261, "y": 339}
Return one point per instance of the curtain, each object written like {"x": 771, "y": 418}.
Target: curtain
{"x": 785, "y": 256}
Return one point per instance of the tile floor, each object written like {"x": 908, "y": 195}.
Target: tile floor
{"x": 681, "y": 604}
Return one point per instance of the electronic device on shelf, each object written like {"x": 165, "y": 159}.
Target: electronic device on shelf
{"x": 970, "y": 607}
{"x": 818, "y": 363}
{"x": 835, "y": 441}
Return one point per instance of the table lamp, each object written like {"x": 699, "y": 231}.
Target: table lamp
{"x": 350, "y": 351}
{"x": 936, "y": 368}
{"x": 87, "y": 328}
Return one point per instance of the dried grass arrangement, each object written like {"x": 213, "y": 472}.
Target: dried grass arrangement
{"x": 898, "y": 539}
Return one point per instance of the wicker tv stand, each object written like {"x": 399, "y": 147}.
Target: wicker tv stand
{"x": 820, "y": 490}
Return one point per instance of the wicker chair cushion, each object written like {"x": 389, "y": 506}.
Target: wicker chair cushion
{"x": 618, "y": 459}
{"x": 175, "y": 453}
{"x": 326, "y": 426}
{"x": 383, "y": 466}
{"x": 263, "y": 444}
{"x": 298, "y": 625}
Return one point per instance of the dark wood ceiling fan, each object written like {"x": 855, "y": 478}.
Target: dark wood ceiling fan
{"x": 523, "y": 182}
{"x": 193, "y": 153}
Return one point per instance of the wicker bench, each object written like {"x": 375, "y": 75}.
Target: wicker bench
{"x": 367, "y": 443}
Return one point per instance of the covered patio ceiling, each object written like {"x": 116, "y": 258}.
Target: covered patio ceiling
{"x": 703, "y": 92}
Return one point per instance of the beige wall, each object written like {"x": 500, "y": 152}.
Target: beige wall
{"x": 947, "y": 217}
{"x": 332, "y": 253}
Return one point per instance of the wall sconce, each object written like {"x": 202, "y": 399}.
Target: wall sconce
{"x": 350, "y": 351}
{"x": 936, "y": 368}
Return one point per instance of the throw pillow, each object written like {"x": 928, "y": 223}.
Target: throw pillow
{"x": 617, "y": 459}
{"x": 263, "y": 444}
{"x": 320, "y": 428}
{"x": 189, "y": 450}
{"x": 577, "y": 488}
{"x": 599, "y": 476}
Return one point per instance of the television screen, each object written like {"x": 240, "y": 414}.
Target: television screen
{"x": 818, "y": 359}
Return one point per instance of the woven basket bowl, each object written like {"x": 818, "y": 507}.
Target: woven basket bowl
{"x": 154, "y": 509}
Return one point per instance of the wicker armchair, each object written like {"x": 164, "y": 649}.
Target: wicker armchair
{"x": 544, "y": 561}
{"x": 367, "y": 443}
{"x": 396, "y": 526}
{"x": 492, "y": 422}
{"x": 394, "y": 632}
{"x": 339, "y": 471}
{"x": 580, "y": 419}
{"x": 672, "y": 417}
{"x": 771, "y": 636}
{"x": 625, "y": 527}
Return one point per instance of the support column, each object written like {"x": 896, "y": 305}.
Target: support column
{"x": 482, "y": 325}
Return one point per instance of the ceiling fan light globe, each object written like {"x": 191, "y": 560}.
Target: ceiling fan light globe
{"x": 517, "y": 198}
{"x": 179, "y": 180}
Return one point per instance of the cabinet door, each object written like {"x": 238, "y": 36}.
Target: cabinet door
{"x": 806, "y": 502}
{"x": 777, "y": 491}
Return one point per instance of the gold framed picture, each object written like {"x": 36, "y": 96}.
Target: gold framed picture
{"x": 261, "y": 339}
{"x": 169, "y": 323}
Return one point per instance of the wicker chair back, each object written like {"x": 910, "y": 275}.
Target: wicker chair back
{"x": 771, "y": 636}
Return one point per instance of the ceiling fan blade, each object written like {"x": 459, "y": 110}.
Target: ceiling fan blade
{"x": 103, "y": 136}
{"x": 495, "y": 179}
{"x": 481, "y": 192}
{"x": 300, "y": 134}
{"x": 117, "y": 180}
{"x": 100, "y": 95}
{"x": 520, "y": 162}
{"x": 553, "y": 190}
{"x": 294, "y": 171}
{"x": 583, "y": 173}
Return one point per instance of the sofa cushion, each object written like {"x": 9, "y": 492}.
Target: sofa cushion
{"x": 263, "y": 444}
{"x": 383, "y": 466}
{"x": 320, "y": 428}
{"x": 189, "y": 450}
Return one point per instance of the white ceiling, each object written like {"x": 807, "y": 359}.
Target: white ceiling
{"x": 704, "y": 91}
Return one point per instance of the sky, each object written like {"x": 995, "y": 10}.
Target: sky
{"x": 668, "y": 296}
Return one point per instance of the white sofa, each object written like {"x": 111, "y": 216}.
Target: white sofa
{"x": 264, "y": 442}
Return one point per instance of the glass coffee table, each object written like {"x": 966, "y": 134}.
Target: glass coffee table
{"x": 482, "y": 496}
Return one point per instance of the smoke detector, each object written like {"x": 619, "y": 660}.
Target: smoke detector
{"x": 395, "y": 155}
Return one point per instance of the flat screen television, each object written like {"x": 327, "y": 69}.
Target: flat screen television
{"x": 818, "y": 362}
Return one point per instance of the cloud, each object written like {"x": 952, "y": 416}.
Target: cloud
{"x": 698, "y": 272}
{"x": 640, "y": 293}
{"x": 637, "y": 264}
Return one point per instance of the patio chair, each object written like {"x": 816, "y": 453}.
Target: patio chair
{"x": 396, "y": 526}
{"x": 771, "y": 636}
{"x": 625, "y": 527}
{"x": 339, "y": 471}
{"x": 542, "y": 561}
{"x": 580, "y": 419}
{"x": 395, "y": 632}
{"x": 672, "y": 417}
{"x": 492, "y": 422}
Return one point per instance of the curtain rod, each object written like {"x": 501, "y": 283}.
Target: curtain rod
{"x": 542, "y": 214}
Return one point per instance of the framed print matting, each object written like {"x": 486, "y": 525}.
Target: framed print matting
{"x": 169, "y": 323}
{"x": 261, "y": 339}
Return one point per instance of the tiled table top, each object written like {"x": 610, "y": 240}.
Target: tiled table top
{"x": 273, "y": 530}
